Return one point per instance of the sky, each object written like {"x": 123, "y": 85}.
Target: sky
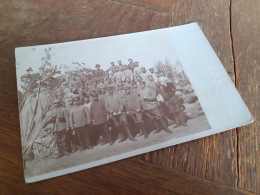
{"x": 145, "y": 47}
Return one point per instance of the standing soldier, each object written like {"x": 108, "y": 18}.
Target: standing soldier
{"x": 57, "y": 116}
{"x": 115, "y": 107}
{"x": 133, "y": 108}
{"x": 151, "y": 107}
{"x": 137, "y": 69}
{"x": 99, "y": 73}
{"x": 99, "y": 119}
{"x": 144, "y": 74}
{"x": 151, "y": 72}
{"x": 131, "y": 65}
{"x": 79, "y": 119}
{"x": 72, "y": 139}
{"x": 127, "y": 73}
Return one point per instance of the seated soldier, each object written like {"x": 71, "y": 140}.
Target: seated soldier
{"x": 114, "y": 107}
{"x": 133, "y": 108}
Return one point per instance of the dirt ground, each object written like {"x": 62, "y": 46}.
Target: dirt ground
{"x": 197, "y": 124}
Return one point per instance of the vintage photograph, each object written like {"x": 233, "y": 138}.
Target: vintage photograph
{"x": 78, "y": 107}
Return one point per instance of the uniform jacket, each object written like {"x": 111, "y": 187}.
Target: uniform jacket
{"x": 127, "y": 73}
{"x": 67, "y": 116}
{"x": 113, "y": 103}
{"x": 98, "y": 113}
{"x": 132, "y": 102}
{"x": 137, "y": 70}
{"x": 58, "y": 115}
{"x": 131, "y": 66}
{"x": 149, "y": 98}
{"x": 79, "y": 116}
{"x": 144, "y": 76}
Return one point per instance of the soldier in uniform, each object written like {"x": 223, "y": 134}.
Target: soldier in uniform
{"x": 151, "y": 108}
{"x": 133, "y": 108}
{"x": 127, "y": 73}
{"x": 79, "y": 119}
{"x": 114, "y": 107}
{"x": 72, "y": 139}
{"x": 137, "y": 69}
{"x": 176, "y": 109}
{"x": 57, "y": 116}
{"x": 99, "y": 72}
{"x": 131, "y": 65}
{"x": 151, "y": 72}
{"x": 99, "y": 119}
{"x": 144, "y": 74}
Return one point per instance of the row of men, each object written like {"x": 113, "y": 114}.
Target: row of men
{"x": 72, "y": 123}
{"x": 121, "y": 72}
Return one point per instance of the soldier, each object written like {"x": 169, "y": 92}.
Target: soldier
{"x": 133, "y": 108}
{"x": 79, "y": 119}
{"x": 120, "y": 64}
{"x": 137, "y": 69}
{"x": 144, "y": 74}
{"x": 176, "y": 109}
{"x": 151, "y": 107}
{"x": 99, "y": 72}
{"x": 99, "y": 119}
{"x": 150, "y": 83}
{"x": 127, "y": 73}
{"x": 131, "y": 65}
{"x": 118, "y": 76}
{"x": 151, "y": 72}
{"x": 57, "y": 116}
{"x": 114, "y": 107}
{"x": 72, "y": 139}
{"x": 120, "y": 91}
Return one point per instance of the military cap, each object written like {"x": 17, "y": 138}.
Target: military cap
{"x": 97, "y": 65}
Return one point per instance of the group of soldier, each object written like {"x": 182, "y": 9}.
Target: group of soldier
{"x": 113, "y": 102}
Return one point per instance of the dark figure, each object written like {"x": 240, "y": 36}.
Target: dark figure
{"x": 114, "y": 108}
{"x": 99, "y": 119}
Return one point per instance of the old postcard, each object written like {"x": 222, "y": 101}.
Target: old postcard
{"x": 91, "y": 102}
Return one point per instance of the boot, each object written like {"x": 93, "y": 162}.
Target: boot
{"x": 142, "y": 129}
{"x": 59, "y": 145}
{"x": 157, "y": 126}
{"x": 73, "y": 147}
{"x": 129, "y": 134}
{"x": 165, "y": 126}
{"x": 145, "y": 133}
{"x": 64, "y": 150}
{"x": 121, "y": 138}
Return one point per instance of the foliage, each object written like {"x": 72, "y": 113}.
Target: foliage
{"x": 44, "y": 78}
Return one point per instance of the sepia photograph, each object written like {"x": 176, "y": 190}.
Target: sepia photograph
{"x": 86, "y": 101}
